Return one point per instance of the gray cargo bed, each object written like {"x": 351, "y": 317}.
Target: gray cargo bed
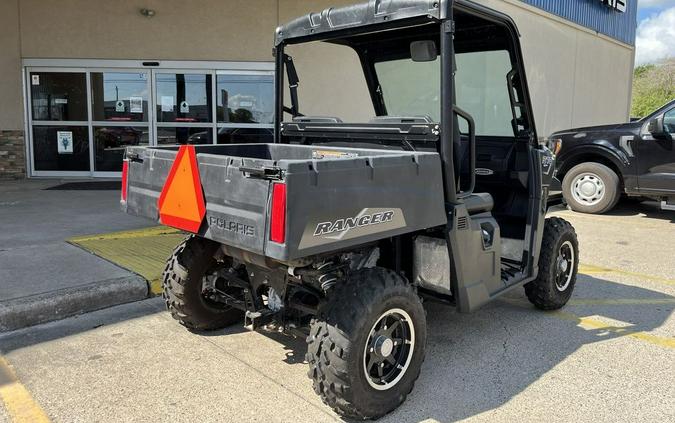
{"x": 335, "y": 197}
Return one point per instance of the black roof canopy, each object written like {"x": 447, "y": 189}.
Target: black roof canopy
{"x": 380, "y": 13}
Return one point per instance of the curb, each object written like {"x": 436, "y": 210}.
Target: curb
{"x": 153, "y": 244}
{"x": 28, "y": 311}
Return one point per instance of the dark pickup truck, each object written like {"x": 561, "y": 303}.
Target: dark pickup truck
{"x": 598, "y": 164}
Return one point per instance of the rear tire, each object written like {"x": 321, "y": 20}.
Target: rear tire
{"x": 591, "y": 188}
{"x": 372, "y": 324}
{"x": 183, "y": 278}
{"x": 558, "y": 266}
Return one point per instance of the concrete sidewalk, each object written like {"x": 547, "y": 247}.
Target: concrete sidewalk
{"x": 42, "y": 277}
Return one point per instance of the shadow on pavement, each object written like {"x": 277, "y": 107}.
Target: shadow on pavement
{"x": 650, "y": 209}
{"x": 478, "y": 362}
{"x": 474, "y": 362}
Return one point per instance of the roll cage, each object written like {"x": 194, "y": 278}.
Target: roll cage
{"x": 363, "y": 25}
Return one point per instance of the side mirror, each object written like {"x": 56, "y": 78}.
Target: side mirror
{"x": 656, "y": 128}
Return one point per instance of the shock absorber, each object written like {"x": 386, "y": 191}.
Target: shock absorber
{"x": 327, "y": 275}
{"x": 322, "y": 275}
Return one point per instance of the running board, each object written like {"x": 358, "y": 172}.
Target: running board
{"x": 668, "y": 204}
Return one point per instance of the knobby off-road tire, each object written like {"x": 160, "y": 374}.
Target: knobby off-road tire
{"x": 183, "y": 280}
{"x": 355, "y": 320}
{"x": 558, "y": 266}
{"x": 591, "y": 188}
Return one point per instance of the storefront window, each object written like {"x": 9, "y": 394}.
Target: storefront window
{"x": 191, "y": 135}
{"x": 58, "y": 96}
{"x": 119, "y": 96}
{"x": 64, "y": 148}
{"x": 110, "y": 142}
{"x": 183, "y": 97}
{"x": 245, "y": 98}
{"x": 82, "y": 119}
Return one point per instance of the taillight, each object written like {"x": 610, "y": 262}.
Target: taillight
{"x": 125, "y": 171}
{"x": 278, "y": 213}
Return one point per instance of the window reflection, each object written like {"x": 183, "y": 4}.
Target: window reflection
{"x": 245, "y": 135}
{"x": 119, "y": 96}
{"x": 110, "y": 142}
{"x": 61, "y": 148}
{"x": 184, "y": 135}
{"x": 245, "y": 98}
{"x": 183, "y": 97}
{"x": 59, "y": 96}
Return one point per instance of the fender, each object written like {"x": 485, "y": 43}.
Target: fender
{"x": 601, "y": 148}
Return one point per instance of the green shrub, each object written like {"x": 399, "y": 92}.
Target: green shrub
{"x": 653, "y": 86}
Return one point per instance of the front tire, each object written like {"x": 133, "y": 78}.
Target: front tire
{"x": 367, "y": 345}
{"x": 183, "y": 283}
{"x": 591, "y": 188}
{"x": 558, "y": 266}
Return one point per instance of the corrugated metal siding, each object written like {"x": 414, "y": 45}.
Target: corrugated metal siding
{"x": 595, "y": 15}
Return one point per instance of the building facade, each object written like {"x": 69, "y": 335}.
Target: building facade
{"x": 83, "y": 78}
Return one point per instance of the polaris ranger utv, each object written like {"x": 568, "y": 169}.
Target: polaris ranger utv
{"x": 346, "y": 227}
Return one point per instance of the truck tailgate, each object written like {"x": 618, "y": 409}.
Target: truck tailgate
{"x": 235, "y": 204}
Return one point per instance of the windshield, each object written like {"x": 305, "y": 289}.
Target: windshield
{"x": 411, "y": 88}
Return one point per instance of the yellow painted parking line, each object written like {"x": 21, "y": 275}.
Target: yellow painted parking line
{"x": 591, "y": 323}
{"x": 601, "y": 301}
{"x": 19, "y": 403}
{"x": 588, "y": 269}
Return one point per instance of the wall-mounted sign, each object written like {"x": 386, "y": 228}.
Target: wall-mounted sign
{"x": 64, "y": 141}
{"x": 119, "y": 106}
{"x": 184, "y": 107}
{"x": 619, "y": 5}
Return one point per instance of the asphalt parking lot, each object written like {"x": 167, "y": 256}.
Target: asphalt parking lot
{"x": 608, "y": 356}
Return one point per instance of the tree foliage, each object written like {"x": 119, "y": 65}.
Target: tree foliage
{"x": 653, "y": 86}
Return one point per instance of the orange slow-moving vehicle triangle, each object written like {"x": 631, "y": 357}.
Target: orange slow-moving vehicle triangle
{"x": 181, "y": 203}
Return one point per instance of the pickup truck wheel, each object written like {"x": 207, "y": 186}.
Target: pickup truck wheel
{"x": 591, "y": 188}
{"x": 558, "y": 265}
{"x": 366, "y": 346}
{"x": 186, "y": 273}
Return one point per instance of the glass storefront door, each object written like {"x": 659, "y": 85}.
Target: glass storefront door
{"x": 81, "y": 119}
{"x": 184, "y": 107}
{"x": 245, "y": 107}
{"x": 59, "y": 122}
{"x": 120, "y": 103}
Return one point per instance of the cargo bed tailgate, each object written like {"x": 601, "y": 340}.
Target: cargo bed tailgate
{"x": 331, "y": 198}
{"x": 235, "y": 203}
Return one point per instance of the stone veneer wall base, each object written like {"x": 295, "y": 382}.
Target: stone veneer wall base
{"x": 12, "y": 155}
